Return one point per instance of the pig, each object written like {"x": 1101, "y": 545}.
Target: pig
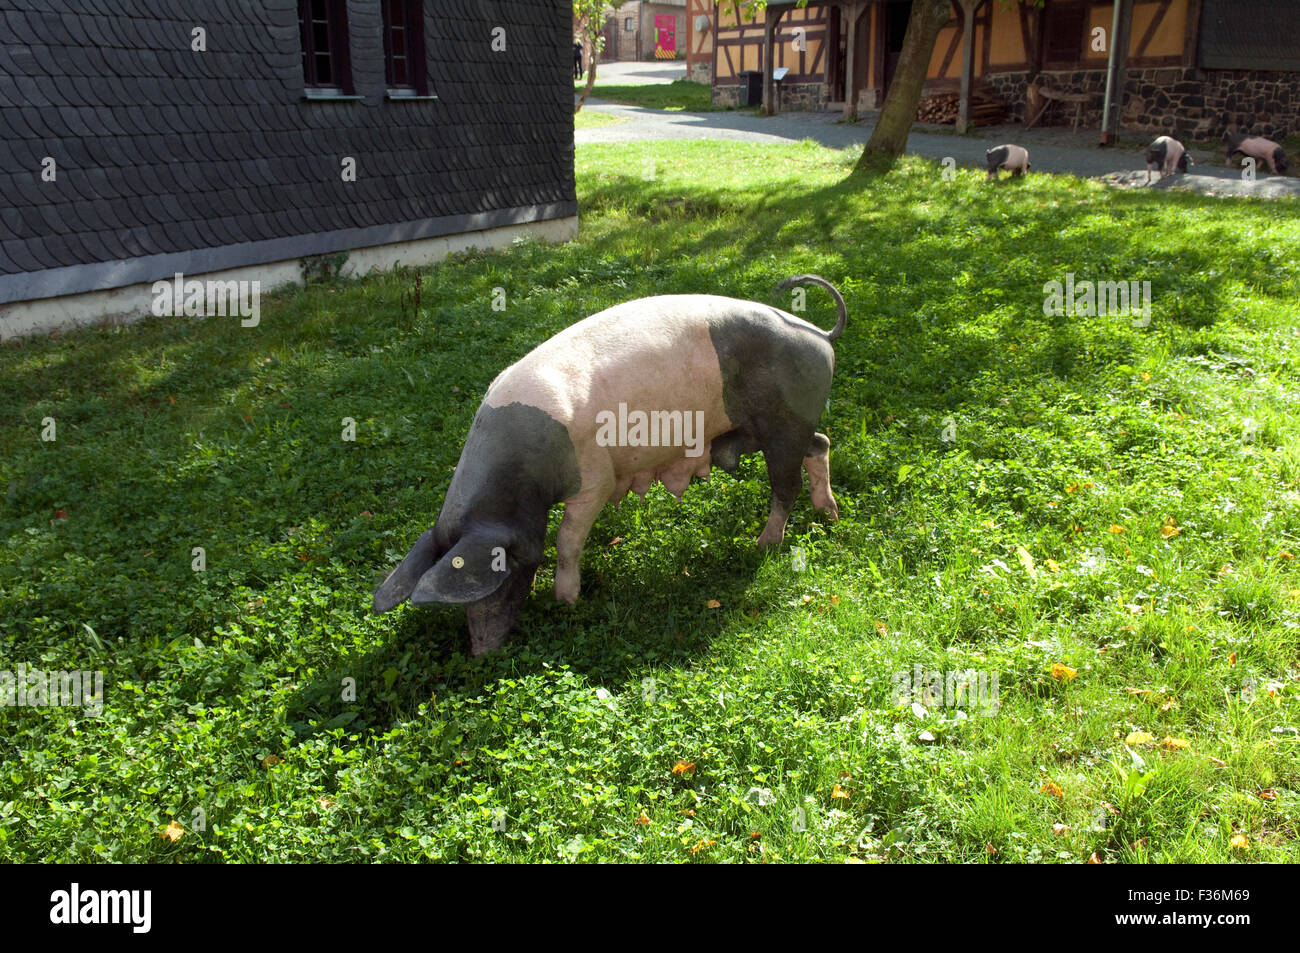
{"x": 1013, "y": 158}
{"x": 1259, "y": 149}
{"x": 1166, "y": 154}
{"x": 742, "y": 376}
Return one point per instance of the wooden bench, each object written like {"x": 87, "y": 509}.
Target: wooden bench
{"x": 1042, "y": 97}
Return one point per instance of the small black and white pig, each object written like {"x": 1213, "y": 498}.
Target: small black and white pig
{"x": 1014, "y": 159}
{"x": 1259, "y": 149}
{"x": 1166, "y": 154}
{"x": 658, "y": 388}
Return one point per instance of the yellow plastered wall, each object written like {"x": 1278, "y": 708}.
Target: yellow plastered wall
{"x": 1167, "y": 41}
{"x": 1006, "y": 41}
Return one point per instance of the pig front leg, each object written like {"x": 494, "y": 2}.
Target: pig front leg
{"x": 580, "y": 514}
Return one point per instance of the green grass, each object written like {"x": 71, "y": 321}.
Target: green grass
{"x": 587, "y": 119}
{"x": 1034, "y": 538}
{"x": 680, "y": 94}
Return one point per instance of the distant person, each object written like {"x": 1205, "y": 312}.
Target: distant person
{"x": 577, "y": 58}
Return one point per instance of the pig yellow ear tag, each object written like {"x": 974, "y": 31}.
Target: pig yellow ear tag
{"x": 458, "y": 562}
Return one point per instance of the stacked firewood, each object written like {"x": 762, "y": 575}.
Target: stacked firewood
{"x": 985, "y": 109}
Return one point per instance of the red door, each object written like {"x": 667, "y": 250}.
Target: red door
{"x": 665, "y": 33}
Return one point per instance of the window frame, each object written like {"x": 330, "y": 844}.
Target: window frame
{"x": 339, "y": 53}
{"x": 1075, "y": 11}
{"x": 417, "y": 65}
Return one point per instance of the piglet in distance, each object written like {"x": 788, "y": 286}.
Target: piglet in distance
{"x": 1015, "y": 159}
{"x": 1166, "y": 154}
{"x": 1259, "y": 149}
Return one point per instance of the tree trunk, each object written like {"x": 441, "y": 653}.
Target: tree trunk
{"x": 591, "y": 81}
{"x": 889, "y": 138}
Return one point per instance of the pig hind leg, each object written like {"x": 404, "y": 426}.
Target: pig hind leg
{"x": 817, "y": 462}
{"x": 784, "y": 452}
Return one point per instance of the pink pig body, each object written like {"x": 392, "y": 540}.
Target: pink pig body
{"x": 1261, "y": 150}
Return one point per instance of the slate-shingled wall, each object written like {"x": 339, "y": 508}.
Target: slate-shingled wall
{"x": 171, "y": 160}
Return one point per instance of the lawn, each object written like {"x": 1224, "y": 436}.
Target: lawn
{"x": 680, "y": 94}
{"x": 1097, "y": 511}
{"x": 589, "y": 119}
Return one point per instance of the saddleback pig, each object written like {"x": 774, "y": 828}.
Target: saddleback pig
{"x": 1014, "y": 159}
{"x": 1166, "y": 154}
{"x": 658, "y": 388}
{"x": 1259, "y": 149}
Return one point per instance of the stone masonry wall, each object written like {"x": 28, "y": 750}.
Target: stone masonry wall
{"x": 1198, "y": 104}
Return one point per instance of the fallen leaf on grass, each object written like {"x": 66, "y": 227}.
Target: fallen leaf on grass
{"x": 1062, "y": 671}
{"x": 1139, "y": 738}
{"x": 643, "y": 819}
{"x": 1052, "y": 788}
{"x": 1239, "y": 842}
{"x": 684, "y": 769}
{"x": 172, "y": 832}
{"x": 1175, "y": 744}
{"x": 713, "y": 604}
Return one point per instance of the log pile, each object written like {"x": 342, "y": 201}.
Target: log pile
{"x": 985, "y": 109}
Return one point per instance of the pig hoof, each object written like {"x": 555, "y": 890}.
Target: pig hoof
{"x": 566, "y": 592}
{"x": 768, "y": 539}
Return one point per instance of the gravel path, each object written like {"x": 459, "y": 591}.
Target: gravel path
{"x": 1052, "y": 149}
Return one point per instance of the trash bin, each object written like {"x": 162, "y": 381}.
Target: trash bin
{"x": 751, "y": 87}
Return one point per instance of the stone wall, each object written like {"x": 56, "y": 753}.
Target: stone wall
{"x": 700, "y": 73}
{"x": 791, "y": 97}
{"x": 805, "y": 97}
{"x": 1198, "y": 104}
{"x": 726, "y": 94}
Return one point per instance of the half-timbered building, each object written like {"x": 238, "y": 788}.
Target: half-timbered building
{"x": 1200, "y": 66}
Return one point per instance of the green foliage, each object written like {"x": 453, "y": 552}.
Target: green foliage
{"x": 322, "y": 268}
{"x": 1114, "y": 499}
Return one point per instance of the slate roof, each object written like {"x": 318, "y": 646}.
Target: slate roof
{"x": 171, "y": 160}
{"x": 1250, "y": 34}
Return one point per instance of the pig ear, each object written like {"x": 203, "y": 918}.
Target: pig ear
{"x": 471, "y": 570}
{"x": 401, "y": 581}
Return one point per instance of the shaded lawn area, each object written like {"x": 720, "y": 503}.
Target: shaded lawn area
{"x": 1100, "y": 514}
